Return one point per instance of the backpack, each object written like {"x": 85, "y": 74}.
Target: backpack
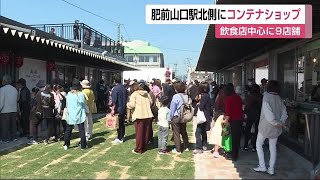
{"x": 45, "y": 100}
{"x": 185, "y": 111}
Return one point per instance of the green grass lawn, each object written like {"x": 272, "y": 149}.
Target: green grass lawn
{"x": 102, "y": 160}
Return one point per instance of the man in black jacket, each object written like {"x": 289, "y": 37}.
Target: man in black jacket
{"x": 168, "y": 90}
{"x": 24, "y": 105}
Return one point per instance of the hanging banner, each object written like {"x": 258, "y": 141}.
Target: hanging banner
{"x": 32, "y": 71}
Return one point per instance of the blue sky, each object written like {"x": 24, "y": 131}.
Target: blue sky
{"x": 131, "y": 13}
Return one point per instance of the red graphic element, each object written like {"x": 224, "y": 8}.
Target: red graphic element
{"x": 277, "y": 15}
{"x": 109, "y": 122}
{"x": 267, "y": 13}
{"x": 18, "y": 61}
{"x": 286, "y": 14}
{"x": 233, "y": 14}
{"x": 241, "y": 15}
{"x": 4, "y": 58}
{"x": 260, "y": 31}
{"x": 259, "y": 12}
{"x": 50, "y": 66}
{"x": 297, "y": 11}
{"x": 249, "y": 13}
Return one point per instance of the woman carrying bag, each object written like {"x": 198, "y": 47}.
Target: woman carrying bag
{"x": 76, "y": 114}
{"x": 203, "y": 119}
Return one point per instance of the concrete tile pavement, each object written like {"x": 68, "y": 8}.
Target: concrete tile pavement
{"x": 289, "y": 165}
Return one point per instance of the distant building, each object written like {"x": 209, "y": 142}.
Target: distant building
{"x": 199, "y": 75}
{"x": 142, "y": 55}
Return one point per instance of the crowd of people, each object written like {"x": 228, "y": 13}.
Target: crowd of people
{"x": 219, "y": 112}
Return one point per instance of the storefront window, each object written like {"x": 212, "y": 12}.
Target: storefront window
{"x": 313, "y": 60}
{"x": 300, "y": 73}
{"x": 286, "y": 74}
{"x": 58, "y": 75}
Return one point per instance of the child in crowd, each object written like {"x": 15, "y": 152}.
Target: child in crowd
{"x": 163, "y": 122}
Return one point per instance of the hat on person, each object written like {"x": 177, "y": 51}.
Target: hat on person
{"x": 41, "y": 84}
{"x": 85, "y": 84}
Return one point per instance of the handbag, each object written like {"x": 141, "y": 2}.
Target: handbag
{"x": 226, "y": 143}
{"x": 201, "y": 118}
{"x": 226, "y": 130}
{"x": 65, "y": 114}
{"x": 112, "y": 121}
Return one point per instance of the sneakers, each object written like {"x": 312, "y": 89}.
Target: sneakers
{"x": 163, "y": 152}
{"x": 244, "y": 149}
{"x": 270, "y": 171}
{"x": 260, "y": 169}
{"x": 197, "y": 151}
{"x": 186, "y": 149}
{"x": 32, "y": 142}
{"x": 134, "y": 152}
{"x": 205, "y": 148}
{"x": 174, "y": 151}
{"x": 45, "y": 142}
{"x": 253, "y": 150}
{"x": 65, "y": 147}
{"x": 117, "y": 141}
{"x": 216, "y": 155}
{"x": 84, "y": 148}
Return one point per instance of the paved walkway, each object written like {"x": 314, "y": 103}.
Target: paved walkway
{"x": 289, "y": 165}
{"x": 22, "y": 142}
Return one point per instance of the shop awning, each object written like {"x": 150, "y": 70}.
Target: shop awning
{"x": 19, "y": 40}
{"x": 217, "y": 54}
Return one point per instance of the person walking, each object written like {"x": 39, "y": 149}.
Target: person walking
{"x": 140, "y": 102}
{"x": 89, "y": 96}
{"x": 272, "y": 120}
{"x": 252, "y": 110}
{"x": 8, "y": 110}
{"x": 179, "y": 128}
{"x": 119, "y": 97}
{"x": 24, "y": 106}
{"x": 76, "y": 103}
{"x": 233, "y": 115}
{"x": 201, "y": 130}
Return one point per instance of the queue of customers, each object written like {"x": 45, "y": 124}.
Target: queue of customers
{"x": 224, "y": 109}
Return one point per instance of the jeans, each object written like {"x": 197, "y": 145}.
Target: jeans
{"x": 68, "y": 132}
{"x": 272, "y": 149}
{"x": 122, "y": 128}
{"x": 163, "y": 133}
{"x": 142, "y": 134}
{"x": 236, "y": 137}
{"x": 88, "y": 125}
{"x": 201, "y": 135}
{"x": 8, "y": 126}
{"x": 180, "y": 128}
